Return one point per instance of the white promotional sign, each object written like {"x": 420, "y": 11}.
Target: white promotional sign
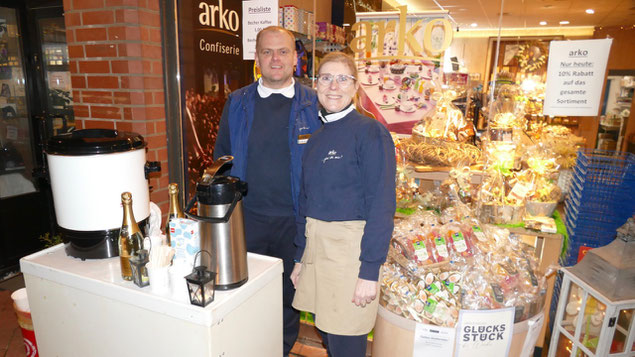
{"x": 257, "y": 15}
{"x": 484, "y": 332}
{"x": 436, "y": 340}
{"x": 575, "y": 76}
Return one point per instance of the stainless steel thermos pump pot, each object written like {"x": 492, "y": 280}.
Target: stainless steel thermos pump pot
{"x": 221, "y": 225}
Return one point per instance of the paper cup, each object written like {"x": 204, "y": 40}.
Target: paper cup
{"x": 26, "y": 326}
{"x": 159, "y": 279}
{"x": 177, "y": 282}
{"x": 20, "y": 299}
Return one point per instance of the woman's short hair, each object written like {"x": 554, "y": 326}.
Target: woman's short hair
{"x": 340, "y": 57}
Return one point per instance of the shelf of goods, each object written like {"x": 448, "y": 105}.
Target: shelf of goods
{"x": 103, "y": 315}
{"x": 302, "y": 24}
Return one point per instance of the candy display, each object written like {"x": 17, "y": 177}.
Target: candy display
{"x": 441, "y": 263}
{"x": 442, "y": 137}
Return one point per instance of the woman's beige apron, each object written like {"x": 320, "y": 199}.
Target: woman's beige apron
{"x": 325, "y": 287}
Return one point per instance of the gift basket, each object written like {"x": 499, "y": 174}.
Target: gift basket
{"x": 501, "y": 196}
{"x": 442, "y": 138}
{"x": 507, "y": 115}
{"x": 541, "y": 175}
{"x": 447, "y": 122}
{"x": 561, "y": 141}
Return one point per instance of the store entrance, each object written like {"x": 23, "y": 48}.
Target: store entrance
{"x": 35, "y": 103}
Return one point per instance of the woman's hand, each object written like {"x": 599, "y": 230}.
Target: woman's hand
{"x": 296, "y": 273}
{"x": 365, "y": 292}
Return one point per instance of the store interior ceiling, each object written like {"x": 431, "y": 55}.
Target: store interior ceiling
{"x": 484, "y": 14}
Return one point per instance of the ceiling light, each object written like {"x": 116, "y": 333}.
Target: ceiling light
{"x": 543, "y": 23}
{"x": 590, "y": 11}
{"x": 473, "y": 24}
{"x": 564, "y": 22}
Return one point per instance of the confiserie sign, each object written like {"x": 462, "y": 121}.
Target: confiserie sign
{"x": 484, "y": 332}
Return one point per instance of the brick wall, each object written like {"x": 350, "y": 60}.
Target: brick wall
{"x": 117, "y": 76}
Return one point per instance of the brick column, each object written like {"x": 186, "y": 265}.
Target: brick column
{"x": 117, "y": 75}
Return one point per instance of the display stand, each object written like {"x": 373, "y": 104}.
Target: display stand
{"x": 395, "y": 336}
{"x": 85, "y": 308}
{"x": 547, "y": 247}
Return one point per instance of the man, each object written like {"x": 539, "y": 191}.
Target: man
{"x": 265, "y": 126}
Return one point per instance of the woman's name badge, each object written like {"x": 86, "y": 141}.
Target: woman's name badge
{"x": 302, "y": 139}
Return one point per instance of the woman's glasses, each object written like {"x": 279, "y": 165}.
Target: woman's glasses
{"x": 343, "y": 80}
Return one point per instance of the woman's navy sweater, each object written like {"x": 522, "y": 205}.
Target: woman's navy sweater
{"x": 348, "y": 173}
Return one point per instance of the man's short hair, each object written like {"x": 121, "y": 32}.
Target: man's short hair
{"x": 272, "y": 29}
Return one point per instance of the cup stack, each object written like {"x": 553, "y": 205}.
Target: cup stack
{"x": 23, "y": 312}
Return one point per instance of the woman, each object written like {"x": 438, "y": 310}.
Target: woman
{"x": 348, "y": 199}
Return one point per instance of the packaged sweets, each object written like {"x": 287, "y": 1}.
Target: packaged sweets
{"x": 435, "y": 269}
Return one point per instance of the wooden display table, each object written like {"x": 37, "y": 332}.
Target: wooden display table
{"x": 441, "y": 173}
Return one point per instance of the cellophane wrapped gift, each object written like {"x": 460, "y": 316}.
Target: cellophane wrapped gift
{"x": 507, "y": 115}
{"x": 439, "y": 263}
{"x": 446, "y": 122}
{"x": 501, "y": 196}
{"x": 443, "y": 137}
{"x": 561, "y": 141}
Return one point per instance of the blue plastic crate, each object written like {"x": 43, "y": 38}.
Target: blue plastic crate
{"x": 604, "y": 167}
{"x": 594, "y": 158}
{"x": 602, "y": 238}
{"x": 602, "y": 186}
{"x": 593, "y": 203}
{"x": 615, "y": 207}
{"x": 573, "y": 251}
{"x": 595, "y": 176}
{"x": 600, "y": 231}
{"x": 608, "y": 216}
{"x": 611, "y": 168}
{"x": 598, "y": 211}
